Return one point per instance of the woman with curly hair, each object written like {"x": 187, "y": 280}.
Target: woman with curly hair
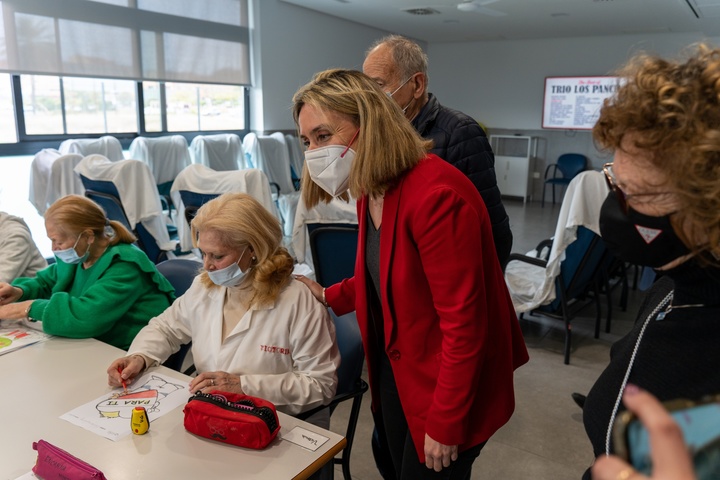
{"x": 663, "y": 212}
{"x": 254, "y": 329}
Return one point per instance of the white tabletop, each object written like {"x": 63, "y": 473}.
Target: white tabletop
{"x": 41, "y": 382}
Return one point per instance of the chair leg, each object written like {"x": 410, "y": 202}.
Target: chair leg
{"x": 350, "y": 436}
{"x": 553, "y": 194}
{"x": 542, "y": 199}
{"x": 568, "y": 335}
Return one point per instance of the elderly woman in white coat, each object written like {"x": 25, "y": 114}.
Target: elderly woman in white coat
{"x": 254, "y": 329}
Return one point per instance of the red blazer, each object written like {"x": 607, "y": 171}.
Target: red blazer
{"x": 451, "y": 332}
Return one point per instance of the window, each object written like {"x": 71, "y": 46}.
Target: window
{"x": 194, "y": 107}
{"x": 100, "y": 106}
{"x": 42, "y": 104}
{"x": 8, "y": 132}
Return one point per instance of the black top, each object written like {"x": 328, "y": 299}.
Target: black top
{"x": 678, "y": 356}
{"x": 459, "y": 140}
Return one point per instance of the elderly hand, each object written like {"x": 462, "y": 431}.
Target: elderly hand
{"x": 670, "y": 457}
{"x": 130, "y": 366}
{"x": 206, "y": 382}
{"x": 15, "y": 311}
{"x": 437, "y": 455}
{"x": 9, "y": 294}
{"x": 315, "y": 288}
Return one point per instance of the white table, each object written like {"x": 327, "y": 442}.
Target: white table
{"x": 43, "y": 381}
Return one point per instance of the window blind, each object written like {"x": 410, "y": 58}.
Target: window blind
{"x": 161, "y": 40}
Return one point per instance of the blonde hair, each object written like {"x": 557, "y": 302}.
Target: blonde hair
{"x": 387, "y": 145}
{"x": 240, "y": 220}
{"x": 74, "y": 214}
{"x": 672, "y": 110}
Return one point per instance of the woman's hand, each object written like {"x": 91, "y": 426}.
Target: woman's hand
{"x": 206, "y": 382}
{"x": 15, "y": 311}
{"x": 315, "y": 288}
{"x": 125, "y": 368}
{"x": 9, "y": 294}
{"x": 437, "y": 455}
{"x": 670, "y": 457}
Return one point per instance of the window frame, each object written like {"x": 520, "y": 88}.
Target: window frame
{"x": 31, "y": 144}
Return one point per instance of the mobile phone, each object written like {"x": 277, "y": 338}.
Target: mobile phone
{"x": 699, "y": 421}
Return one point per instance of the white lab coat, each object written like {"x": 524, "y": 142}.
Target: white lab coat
{"x": 285, "y": 353}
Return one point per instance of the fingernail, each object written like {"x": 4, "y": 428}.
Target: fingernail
{"x": 631, "y": 389}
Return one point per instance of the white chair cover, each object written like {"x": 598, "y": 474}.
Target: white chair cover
{"x": 270, "y": 154}
{"x": 138, "y": 193}
{"x": 166, "y": 156}
{"x": 201, "y": 179}
{"x": 250, "y": 149}
{"x": 222, "y": 152}
{"x": 107, "y": 146}
{"x": 531, "y": 286}
{"x": 297, "y": 155}
{"x": 40, "y": 178}
{"x": 63, "y": 179}
{"x": 337, "y": 211}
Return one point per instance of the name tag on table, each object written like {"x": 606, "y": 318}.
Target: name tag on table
{"x": 305, "y": 438}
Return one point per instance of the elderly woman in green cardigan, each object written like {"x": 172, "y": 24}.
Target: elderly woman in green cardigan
{"x": 101, "y": 286}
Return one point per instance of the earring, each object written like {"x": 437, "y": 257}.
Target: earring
{"x": 254, "y": 258}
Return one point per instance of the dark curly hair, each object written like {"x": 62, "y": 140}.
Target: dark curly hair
{"x": 672, "y": 111}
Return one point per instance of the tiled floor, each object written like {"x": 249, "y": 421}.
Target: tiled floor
{"x": 545, "y": 439}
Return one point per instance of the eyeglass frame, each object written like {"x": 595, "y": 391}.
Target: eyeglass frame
{"x": 623, "y": 198}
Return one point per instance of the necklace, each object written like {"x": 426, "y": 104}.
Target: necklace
{"x": 670, "y": 308}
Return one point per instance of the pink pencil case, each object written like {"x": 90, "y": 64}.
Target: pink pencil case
{"x": 54, "y": 463}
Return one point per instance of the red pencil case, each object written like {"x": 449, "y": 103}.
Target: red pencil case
{"x": 241, "y": 420}
{"x": 54, "y": 463}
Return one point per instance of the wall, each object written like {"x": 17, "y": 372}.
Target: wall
{"x": 501, "y": 83}
{"x": 293, "y": 43}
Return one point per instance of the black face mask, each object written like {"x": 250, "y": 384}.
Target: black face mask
{"x": 637, "y": 238}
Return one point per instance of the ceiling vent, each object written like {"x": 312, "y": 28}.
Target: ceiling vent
{"x": 705, "y": 8}
{"x": 421, "y": 11}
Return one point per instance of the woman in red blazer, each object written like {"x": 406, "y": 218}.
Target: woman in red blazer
{"x": 440, "y": 333}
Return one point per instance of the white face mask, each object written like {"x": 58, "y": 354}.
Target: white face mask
{"x": 329, "y": 167}
{"x": 69, "y": 255}
{"x": 390, "y": 94}
{"x": 230, "y": 276}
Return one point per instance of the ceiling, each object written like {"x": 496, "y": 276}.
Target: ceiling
{"x": 526, "y": 19}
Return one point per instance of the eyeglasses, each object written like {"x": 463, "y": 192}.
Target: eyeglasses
{"x": 624, "y": 198}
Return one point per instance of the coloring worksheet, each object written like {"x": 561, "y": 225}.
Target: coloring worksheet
{"x": 109, "y": 415}
{"x": 17, "y": 336}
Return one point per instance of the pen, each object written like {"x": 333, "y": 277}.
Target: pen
{"x": 122, "y": 380}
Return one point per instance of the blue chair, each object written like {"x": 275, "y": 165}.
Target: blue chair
{"x": 105, "y": 194}
{"x": 568, "y": 165}
{"x": 193, "y": 201}
{"x": 180, "y": 273}
{"x": 582, "y": 274}
{"x": 333, "y": 250}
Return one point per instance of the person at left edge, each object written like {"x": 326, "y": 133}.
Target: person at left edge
{"x": 440, "y": 333}
{"x": 101, "y": 286}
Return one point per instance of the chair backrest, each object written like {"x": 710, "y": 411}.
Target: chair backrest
{"x": 203, "y": 180}
{"x": 570, "y": 164}
{"x": 297, "y": 158}
{"x": 166, "y": 156}
{"x": 581, "y": 266}
{"x": 107, "y": 146}
{"x": 220, "y": 152}
{"x": 63, "y": 179}
{"x": 193, "y": 201}
{"x": 180, "y": 272}
{"x": 333, "y": 251}
{"x": 270, "y": 154}
{"x": 40, "y": 170}
{"x": 352, "y": 355}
